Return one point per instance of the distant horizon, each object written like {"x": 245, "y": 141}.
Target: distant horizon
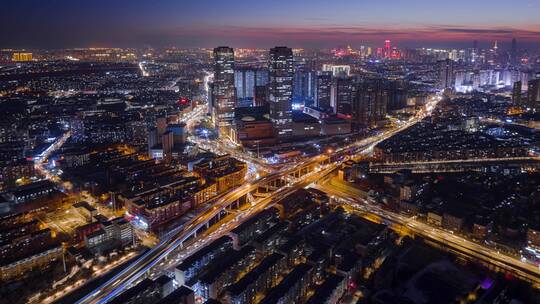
{"x": 504, "y": 44}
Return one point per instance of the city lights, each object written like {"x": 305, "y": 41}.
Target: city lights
{"x": 270, "y": 153}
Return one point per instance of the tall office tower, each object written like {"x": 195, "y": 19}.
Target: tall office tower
{"x": 244, "y": 82}
{"x": 445, "y": 71}
{"x": 533, "y": 93}
{"x": 323, "y": 90}
{"x": 516, "y": 93}
{"x": 387, "y": 49}
{"x": 342, "y": 95}
{"x": 280, "y": 90}
{"x": 304, "y": 86}
{"x": 223, "y": 92}
{"x": 369, "y": 104}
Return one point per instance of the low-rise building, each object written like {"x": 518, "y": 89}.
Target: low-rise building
{"x": 221, "y": 273}
{"x": 12, "y": 171}
{"x": 225, "y": 171}
{"x": 253, "y": 226}
{"x": 261, "y": 278}
{"x": 253, "y": 127}
{"x": 31, "y": 191}
{"x": 434, "y": 218}
{"x": 330, "y": 291}
{"x": 181, "y": 295}
{"x": 41, "y": 257}
{"x": 191, "y": 265}
{"x": 292, "y": 288}
{"x": 146, "y": 291}
{"x": 115, "y": 233}
{"x": 335, "y": 126}
{"x": 453, "y": 220}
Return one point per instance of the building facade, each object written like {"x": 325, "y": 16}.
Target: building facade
{"x": 223, "y": 90}
{"x": 281, "y": 72}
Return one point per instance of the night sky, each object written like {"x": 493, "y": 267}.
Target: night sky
{"x": 255, "y": 23}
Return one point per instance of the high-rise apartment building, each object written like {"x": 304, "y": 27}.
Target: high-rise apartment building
{"x": 370, "y": 101}
{"x": 397, "y": 94}
{"x": 223, "y": 90}
{"x": 445, "y": 71}
{"x": 280, "y": 90}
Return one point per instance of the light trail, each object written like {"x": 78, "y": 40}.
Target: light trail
{"x": 130, "y": 274}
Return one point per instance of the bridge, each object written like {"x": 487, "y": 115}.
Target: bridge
{"x": 263, "y": 191}
{"x": 461, "y": 165}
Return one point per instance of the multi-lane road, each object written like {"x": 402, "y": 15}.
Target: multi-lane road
{"x": 447, "y": 239}
{"x": 176, "y": 238}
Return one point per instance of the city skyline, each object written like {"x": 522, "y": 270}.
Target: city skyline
{"x": 62, "y": 24}
{"x": 245, "y": 152}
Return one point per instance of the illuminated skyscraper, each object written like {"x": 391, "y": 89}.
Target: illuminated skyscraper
{"x": 244, "y": 81}
{"x": 280, "y": 89}
{"x": 223, "y": 91}
{"x": 387, "y": 49}
{"x": 304, "y": 84}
